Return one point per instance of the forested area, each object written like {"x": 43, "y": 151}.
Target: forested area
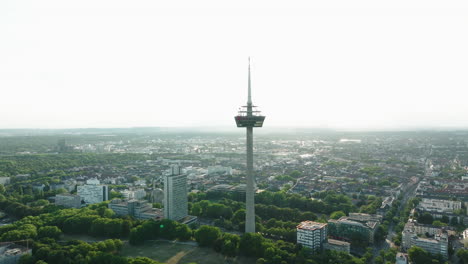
{"x": 278, "y": 213}
{"x": 34, "y": 164}
{"x": 43, "y": 232}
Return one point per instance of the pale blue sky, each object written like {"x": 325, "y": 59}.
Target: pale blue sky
{"x": 334, "y": 64}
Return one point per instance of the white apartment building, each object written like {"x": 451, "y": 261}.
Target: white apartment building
{"x": 312, "y": 234}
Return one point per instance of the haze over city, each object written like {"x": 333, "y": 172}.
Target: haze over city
{"x": 360, "y": 65}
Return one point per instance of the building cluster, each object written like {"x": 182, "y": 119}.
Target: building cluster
{"x": 444, "y": 189}
{"x": 174, "y": 198}
{"x": 314, "y": 235}
{"x": 432, "y": 239}
{"x": 90, "y": 193}
{"x": 338, "y": 234}
{"x": 439, "y": 208}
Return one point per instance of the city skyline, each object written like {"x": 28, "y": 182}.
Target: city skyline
{"x": 111, "y": 64}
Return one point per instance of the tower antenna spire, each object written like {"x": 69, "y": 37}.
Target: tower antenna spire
{"x": 249, "y": 99}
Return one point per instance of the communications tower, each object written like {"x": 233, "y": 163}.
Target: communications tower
{"x": 249, "y": 118}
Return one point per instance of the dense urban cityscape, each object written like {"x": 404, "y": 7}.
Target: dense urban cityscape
{"x": 120, "y": 142}
{"x": 374, "y": 197}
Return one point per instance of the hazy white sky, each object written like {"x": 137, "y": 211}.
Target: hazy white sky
{"x": 334, "y": 64}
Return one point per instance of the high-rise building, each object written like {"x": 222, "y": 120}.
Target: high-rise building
{"x": 175, "y": 194}
{"x": 249, "y": 118}
{"x": 312, "y": 234}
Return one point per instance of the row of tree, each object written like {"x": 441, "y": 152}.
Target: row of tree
{"x": 47, "y": 251}
{"x": 165, "y": 229}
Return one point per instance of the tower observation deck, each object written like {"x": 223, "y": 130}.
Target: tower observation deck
{"x": 249, "y": 118}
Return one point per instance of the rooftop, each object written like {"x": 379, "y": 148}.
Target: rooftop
{"x": 311, "y": 225}
{"x": 338, "y": 242}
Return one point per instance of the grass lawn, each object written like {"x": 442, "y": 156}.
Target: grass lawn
{"x": 171, "y": 253}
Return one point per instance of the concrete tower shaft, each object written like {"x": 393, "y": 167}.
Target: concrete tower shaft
{"x": 249, "y": 118}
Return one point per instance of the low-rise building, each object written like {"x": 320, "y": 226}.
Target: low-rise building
{"x": 157, "y": 195}
{"x": 136, "y": 208}
{"x": 439, "y": 206}
{"x": 38, "y": 187}
{"x": 465, "y": 234}
{"x": 356, "y": 224}
{"x": 436, "y": 244}
{"x": 68, "y": 200}
{"x": 11, "y": 253}
{"x": 401, "y": 258}
{"x": 4, "y": 180}
{"x": 220, "y": 170}
{"x": 337, "y": 245}
{"x": 137, "y": 194}
{"x": 424, "y": 229}
{"x": 360, "y": 217}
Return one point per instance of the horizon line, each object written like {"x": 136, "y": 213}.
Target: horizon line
{"x": 226, "y": 127}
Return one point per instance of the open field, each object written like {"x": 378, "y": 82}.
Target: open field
{"x": 172, "y": 253}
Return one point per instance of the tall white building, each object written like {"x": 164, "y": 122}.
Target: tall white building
{"x": 93, "y": 192}
{"x": 312, "y": 234}
{"x": 175, "y": 194}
